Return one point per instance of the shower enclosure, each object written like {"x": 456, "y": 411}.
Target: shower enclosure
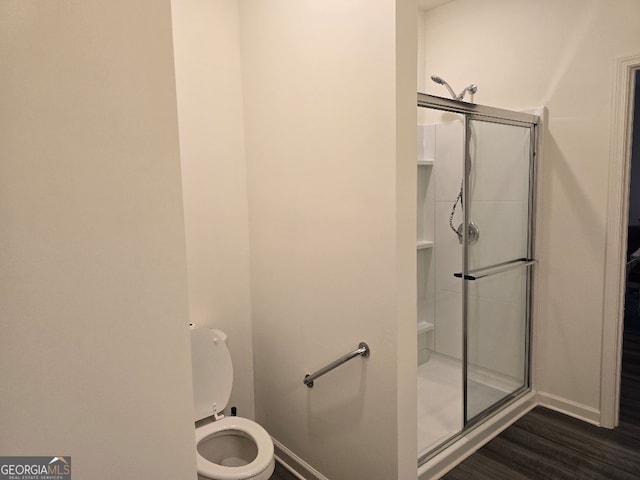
{"x": 476, "y": 167}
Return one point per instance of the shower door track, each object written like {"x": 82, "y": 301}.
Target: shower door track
{"x": 491, "y": 113}
{"x": 472, "y": 111}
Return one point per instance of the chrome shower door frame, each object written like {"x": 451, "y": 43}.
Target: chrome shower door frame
{"x": 489, "y": 114}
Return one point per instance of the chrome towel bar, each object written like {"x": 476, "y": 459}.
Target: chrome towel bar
{"x": 479, "y": 273}
{"x": 363, "y": 350}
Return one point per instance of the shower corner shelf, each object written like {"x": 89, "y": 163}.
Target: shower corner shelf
{"x": 424, "y": 327}
{"x": 425, "y": 163}
{"x": 421, "y": 245}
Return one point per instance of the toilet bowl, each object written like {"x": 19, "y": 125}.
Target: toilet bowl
{"x": 229, "y": 447}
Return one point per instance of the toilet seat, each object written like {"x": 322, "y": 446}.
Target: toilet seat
{"x": 259, "y": 435}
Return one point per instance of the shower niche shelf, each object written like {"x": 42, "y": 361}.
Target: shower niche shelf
{"x": 425, "y": 239}
{"x": 424, "y": 327}
{"x": 422, "y": 244}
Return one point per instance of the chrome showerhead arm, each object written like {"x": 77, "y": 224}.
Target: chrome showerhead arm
{"x": 440, "y": 81}
{"x": 473, "y": 88}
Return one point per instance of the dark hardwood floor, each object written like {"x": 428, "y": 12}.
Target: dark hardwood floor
{"x": 282, "y": 473}
{"x": 548, "y": 445}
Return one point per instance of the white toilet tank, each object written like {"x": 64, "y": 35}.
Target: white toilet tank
{"x": 212, "y": 371}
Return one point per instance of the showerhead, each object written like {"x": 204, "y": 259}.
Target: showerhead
{"x": 473, "y": 88}
{"x": 440, "y": 81}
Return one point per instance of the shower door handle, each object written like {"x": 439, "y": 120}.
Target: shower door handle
{"x": 479, "y": 273}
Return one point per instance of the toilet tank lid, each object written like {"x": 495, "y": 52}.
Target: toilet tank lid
{"x": 212, "y": 371}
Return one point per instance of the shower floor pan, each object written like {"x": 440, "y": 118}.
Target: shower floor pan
{"x": 440, "y": 414}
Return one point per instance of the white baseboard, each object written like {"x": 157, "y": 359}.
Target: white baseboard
{"x": 295, "y": 464}
{"x": 568, "y": 407}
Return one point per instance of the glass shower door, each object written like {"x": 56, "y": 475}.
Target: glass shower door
{"x": 497, "y": 255}
{"x": 473, "y": 330}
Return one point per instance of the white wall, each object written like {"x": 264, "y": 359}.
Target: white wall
{"x": 560, "y": 55}
{"x": 94, "y": 351}
{"x": 332, "y": 259}
{"x": 206, "y": 36}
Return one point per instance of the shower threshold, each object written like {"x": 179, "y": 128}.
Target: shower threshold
{"x": 440, "y": 405}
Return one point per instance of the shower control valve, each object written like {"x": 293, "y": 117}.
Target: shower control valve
{"x": 473, "y": 233}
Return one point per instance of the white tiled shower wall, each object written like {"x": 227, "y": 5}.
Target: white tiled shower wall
{"x": 499, "y": 192}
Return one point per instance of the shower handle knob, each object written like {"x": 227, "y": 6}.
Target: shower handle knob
{"x": 473, "y": 232}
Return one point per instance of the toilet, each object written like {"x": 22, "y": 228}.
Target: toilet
{"x": 228, "y": 447}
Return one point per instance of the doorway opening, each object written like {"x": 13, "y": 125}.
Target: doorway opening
{"x": 632, "y": 293}
{"x": 631, "y": 321}
{"x": 619, "y": 250}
